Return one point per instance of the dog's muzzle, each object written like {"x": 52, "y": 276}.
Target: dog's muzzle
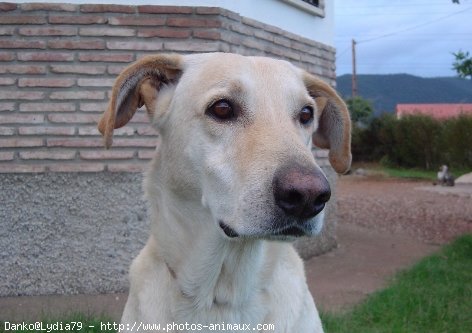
{"x": 300, "y": 192}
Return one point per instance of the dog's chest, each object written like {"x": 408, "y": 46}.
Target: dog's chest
{"x": 222, "y": 315}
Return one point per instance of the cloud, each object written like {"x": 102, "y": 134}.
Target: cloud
{"x": 415, "y": 37}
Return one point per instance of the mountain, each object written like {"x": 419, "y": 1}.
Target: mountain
{"x": 386, "y": 91}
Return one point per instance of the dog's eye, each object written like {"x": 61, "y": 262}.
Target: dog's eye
{"x": 221, "y": 110}
{"x": 306, "y": 115}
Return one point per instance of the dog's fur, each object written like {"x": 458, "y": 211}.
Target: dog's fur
{"x": 211, "y": 257}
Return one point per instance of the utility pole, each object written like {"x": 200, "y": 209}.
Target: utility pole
{"x": 354, "y": 74}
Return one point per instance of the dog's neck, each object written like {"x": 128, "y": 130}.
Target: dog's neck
{"x": 208, "y": 268}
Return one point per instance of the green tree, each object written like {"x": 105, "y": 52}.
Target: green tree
{"x": 361, "y": 110}
{"x": 463, "y": 64}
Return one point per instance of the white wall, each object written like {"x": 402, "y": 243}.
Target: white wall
{"x": 273, "y": 12}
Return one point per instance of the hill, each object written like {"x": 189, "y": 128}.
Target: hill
{"x": 386, "y": 91}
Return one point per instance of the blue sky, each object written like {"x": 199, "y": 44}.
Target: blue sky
{"x": 402, "y": 36}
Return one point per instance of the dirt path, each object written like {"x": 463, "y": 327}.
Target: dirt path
{"x": 384, "y": 226}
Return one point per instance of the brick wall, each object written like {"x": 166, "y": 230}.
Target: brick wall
{"x": 58, "y": 62}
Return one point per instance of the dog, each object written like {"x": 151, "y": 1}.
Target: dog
{"x": 232, "y": 182}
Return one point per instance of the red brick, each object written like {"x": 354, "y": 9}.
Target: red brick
{"x": 23, "y": 19}
{"x": 21, "y": 119}
{"x": 46, "y": 130}
{"x": 146, "y": 130}
{"x": 112, "y": 32}
{"x": 24, "y": 69}
{"x": 107, "y": 57}
{"x": 115, "y": 69}
{"x": 28, "y": 95}
{"x": 49, "y": 82}
{"x": 282, "y": 41}
{"x": 7, "y": 106}
{"x": 77, "y": 95}
{"x": 7, "y": 56}
{"x": 82, "y": 19}
{"x": 254, "y": 44}
{"x": 93, "y": 131}
{"x": 136, "y": 21}
{"x": 242, "y": 29}
{"x": 21, "y": 168}
{"x": 7, "y": 6}
{"x": 45, "y": 56}
{"x": 61, "y": 31}
{"x": 107, "y": 9}
{"x": 7, "y": 156}
{"x": 106, "y": 154}
{"x": 7, "y": 130}
{"x": 95, "y": 82}
{"x": 164, "y": 33}
{"x": 22, "y": 44}
{"x": 78, "y": 69}
{"x": 150, "y": 9}
{"x": 93, "y": 107}
{"x": 146, "y": 154}
{"x": 207, "y": 34}
{"x": 9, "y": 31}
{"x": 131, "y": 142}
{"x": 14, "y": 143}
{"x": 208, "y": 10}
{"x": 61, "y": 7}
{"x": 76, "y": 44}
{"x": 47, "y": 107}
{"x": 127, "y": 167}
{"x": 74, "y": 142}
{"x": 7, "y": 81}
{"x": 192, "y": 46}
{"x": 132, "y": 45}
{"x": 264, "y": 35}
{"x": 47, "y": 155}
{"x": 76, "y": 167}
{"x": 74, "y": 118}
{"x": 193, "y": 22}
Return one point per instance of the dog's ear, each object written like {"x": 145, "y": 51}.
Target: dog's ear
{"x": 138, "y": 85}
{"x": 334, "y": 127}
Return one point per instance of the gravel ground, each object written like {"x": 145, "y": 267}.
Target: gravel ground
{"x": 426, "y": 213}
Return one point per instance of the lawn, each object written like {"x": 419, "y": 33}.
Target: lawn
{"x": 433, "y": 296}
{"x": 380, "y": 170}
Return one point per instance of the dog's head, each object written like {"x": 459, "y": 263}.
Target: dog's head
{"x": 236, "y": 137}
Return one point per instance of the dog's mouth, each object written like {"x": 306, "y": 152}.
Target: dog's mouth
{"x": 290, "y": 231}
{"x": 230, "y": 232}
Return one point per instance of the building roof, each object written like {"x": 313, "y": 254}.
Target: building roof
{"x": 438, "y": 111}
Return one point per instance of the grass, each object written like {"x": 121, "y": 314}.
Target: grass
{"x": 410, "y": 173}
{"x": 419, "y": 174}
{"x": 433, "y": 296}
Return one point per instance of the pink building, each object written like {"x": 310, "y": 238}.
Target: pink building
{"x": 438, "y": 111}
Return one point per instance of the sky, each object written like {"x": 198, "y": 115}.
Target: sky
{"x": 402, "y": 36}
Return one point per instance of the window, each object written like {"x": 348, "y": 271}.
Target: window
{"x": 315, "y": 3}
{"x": 314, "y": 7}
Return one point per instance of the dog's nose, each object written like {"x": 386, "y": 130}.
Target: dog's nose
{"x": 301, "y": 192}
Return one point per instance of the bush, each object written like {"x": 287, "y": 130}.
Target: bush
{"x": 415, "y": 141}
{"x": 456, "y": 141}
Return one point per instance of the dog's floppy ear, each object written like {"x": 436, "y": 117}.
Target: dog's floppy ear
{"x": 138, "y": 85}
{"x": 334, "y": 128}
